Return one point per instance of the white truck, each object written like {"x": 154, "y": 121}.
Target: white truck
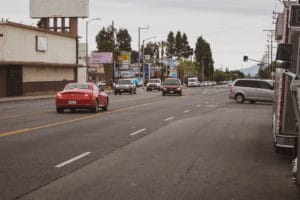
{"x": 193, "y": 82}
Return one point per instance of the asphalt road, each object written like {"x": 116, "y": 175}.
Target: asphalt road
{"x": 147, "y": 146}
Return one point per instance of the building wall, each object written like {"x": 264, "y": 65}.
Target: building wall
{"x": 40, "y": 74}
{"x": 3, "y": 82}
{"x": 19, "y": 44}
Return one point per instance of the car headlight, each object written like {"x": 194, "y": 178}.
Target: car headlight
{"x": 58, "y": 95}
{"x": 179, "y": 88}
{"x": 164, "y": 88}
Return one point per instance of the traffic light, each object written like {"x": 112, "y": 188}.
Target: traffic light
{"x": 245, "y": 58}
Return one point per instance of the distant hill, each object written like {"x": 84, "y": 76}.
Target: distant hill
{"x": 253, "y": 70}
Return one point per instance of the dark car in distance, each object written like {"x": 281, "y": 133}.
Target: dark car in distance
{"x": 171, "y": 86}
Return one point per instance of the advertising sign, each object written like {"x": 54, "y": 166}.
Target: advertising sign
{"x": 59, "y": 8}
{"x": 101, "y": 58}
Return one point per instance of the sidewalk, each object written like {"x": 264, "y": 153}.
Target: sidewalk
{"x": 25, "y": 98}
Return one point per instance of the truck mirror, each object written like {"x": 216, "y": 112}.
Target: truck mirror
{"x": 284, "y": 52}
{"x": 284, "y": 56}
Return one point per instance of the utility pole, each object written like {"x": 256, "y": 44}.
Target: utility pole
{"x": 139, "y": 47}
{"x": 270, "y": 51}
{"x": 202, "y": 68}
{"x": 113, "y": 58}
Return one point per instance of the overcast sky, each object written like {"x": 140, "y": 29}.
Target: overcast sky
{"x": 232, "y": 27}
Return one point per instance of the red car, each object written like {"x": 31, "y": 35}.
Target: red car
{"x": 172, "y": 86}
{"x": 81, "y": 96}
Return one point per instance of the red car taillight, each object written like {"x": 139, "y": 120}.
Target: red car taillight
{"x": 88, "y": 95}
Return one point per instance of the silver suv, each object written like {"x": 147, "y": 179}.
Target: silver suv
{"x": 252, "y": 90}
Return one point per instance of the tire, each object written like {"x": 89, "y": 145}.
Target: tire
{"x": 116, "y": 93}
{"x": 134, "y": 92}
{"x": 147, "y": 90}
{"x": 59, "y": 110}
{"x": 106, "y": 105}
{"x": 164, "y": 94}
{"x": 252, "y": 101}
{"x": 120, "y": 93}
{"x": 131, "y": 92}
{"x": 239, "y": 98}
{"x": 96, "y": 107}
{"x": 180, "y": 93}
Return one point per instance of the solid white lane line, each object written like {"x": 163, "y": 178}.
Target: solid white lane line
{"x": 170, "y": 118}
{"x": 187, "y": 111}
{"x": 198, "y": 106}
{"x": 72, "y": 160}
{"x": 137, "y": 132}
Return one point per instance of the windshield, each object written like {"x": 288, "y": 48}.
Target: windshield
{"x": 124, "y": 82}
{"x": 77, "y": 86}
{"x": 172, "y": 82}
{"x": 154, "y": 81}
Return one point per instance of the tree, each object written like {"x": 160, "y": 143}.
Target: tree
{"x": 134, "y": 56}
{"x": 219, "y": 76}
{"x": 185, "y": 69}
{"x": 105, "y": 40}
{"x": 106, "y": 43}
{"x": 203, "y": 57}
{"x": 178, "y": 44}
{"x": 170, "y": 44}
{"x": 186, "y": 47}
{"x": 123, "y": 41}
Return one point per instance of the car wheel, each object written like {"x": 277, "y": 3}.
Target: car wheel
{"x": 59, "y": 110}
{"x": 116, "y": 93}
{"x": 180, "y": 93}
{"x": 164, "y": 94}
{"x": 130, "y": 92}
{"x": 134, "y": 92}
{"x": 147, "y": 90}
{"x": 106, "y": 105}
{"x": 252, "y": 101}
{"x": 120, "y": 93}
{"x": 239, "y": 98}
{"x": 95, "y": 108}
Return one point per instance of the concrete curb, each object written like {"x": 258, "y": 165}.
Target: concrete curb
{"x": 25, "y": 98}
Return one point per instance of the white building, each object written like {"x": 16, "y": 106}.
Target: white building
{"x": 34, "y": 60}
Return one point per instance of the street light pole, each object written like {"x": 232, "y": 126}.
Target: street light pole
{"x": 87, "y": 46}
{"x": 143, "y": 63}
{"x": 139, "y": 46}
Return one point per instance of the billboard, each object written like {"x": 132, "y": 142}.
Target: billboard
{"x": 59, "y": 8}
{"x": 101, "y": 58}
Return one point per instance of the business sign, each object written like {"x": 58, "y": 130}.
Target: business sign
{"x": 124, "y": 59}
{"x": 59, "y": 8}
{"x": 101, "y": 58}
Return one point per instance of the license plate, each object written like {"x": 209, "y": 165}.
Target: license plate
{"x": 121, "y": 90}
{"x": 72, "y": 102}
{"x": 171, "y": 92}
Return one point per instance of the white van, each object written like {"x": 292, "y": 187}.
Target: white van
{"x": 193, "y": 82}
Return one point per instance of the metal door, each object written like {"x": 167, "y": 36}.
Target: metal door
{"x": 14, "y": 81}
